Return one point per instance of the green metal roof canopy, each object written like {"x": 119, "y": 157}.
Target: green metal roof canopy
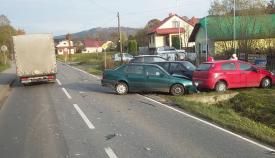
{"x": 220, "y": 28}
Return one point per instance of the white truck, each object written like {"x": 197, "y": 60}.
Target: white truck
{"x": 35, "y": 58}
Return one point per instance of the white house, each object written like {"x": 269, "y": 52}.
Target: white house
{"x": 173, "y": 25}
{"x": 63, "y": 47}
{"x": 95, "y": 46}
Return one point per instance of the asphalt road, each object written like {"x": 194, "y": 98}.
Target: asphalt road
{"x": 77, "y": 118}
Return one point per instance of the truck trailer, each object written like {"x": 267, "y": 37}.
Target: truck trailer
{"x": 35, "y": 58}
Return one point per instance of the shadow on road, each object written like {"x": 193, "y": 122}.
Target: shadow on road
{"x": 17, "y": 83}
{"x": 5, "y": 78}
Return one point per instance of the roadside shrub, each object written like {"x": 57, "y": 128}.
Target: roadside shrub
{"x": 132, "y": 47}
{"x": 176, "y": 42}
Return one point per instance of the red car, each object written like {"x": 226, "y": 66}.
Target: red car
{"x": 226, "y": 74}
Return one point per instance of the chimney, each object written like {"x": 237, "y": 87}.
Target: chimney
{"x": 171, "y": 14}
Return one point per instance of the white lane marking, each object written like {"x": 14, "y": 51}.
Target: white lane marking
{"x": 212, "y": 125}
{"x": 110, "y": 153}
{"x": 59, "y": 83}
{"x": 81, "y": 71}
{"x": 84, "y": 117}
{"x": 66, "y": 92}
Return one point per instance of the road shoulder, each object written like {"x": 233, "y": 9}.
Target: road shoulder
{"x": 7, "y": 77}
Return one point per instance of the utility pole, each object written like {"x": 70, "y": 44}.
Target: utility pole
{"x": 119, "y": 33}
{"x": 180, "y": 35}
{"x": 206, "y": 39}
{"x": 234, "y": 41}
{"x": 69, "y": 40}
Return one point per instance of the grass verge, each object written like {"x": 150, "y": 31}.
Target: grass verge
{"x": 4, "y": 67}
{"x": 251, "y": 113}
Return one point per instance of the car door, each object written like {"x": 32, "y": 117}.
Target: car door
{"x": 231, "y": 74}
{"x": 156, "y": 79}
{"x": 249, "y": 75}
{"x": 135, "y": 77}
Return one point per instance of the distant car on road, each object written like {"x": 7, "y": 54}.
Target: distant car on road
{"x": 183, "y": 68}
{"x": 226, "y": 74}
{"x": 125, "y": 57}
{"x": 145, "y": 77}
{"x": 147, "y": 59}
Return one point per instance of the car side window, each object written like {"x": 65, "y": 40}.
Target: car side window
{"x": 153, "y": 71}
{"x": 228, "y": 66}
{"x": 165, "y": 66}
{"x": 134, "y": 69}
{"x": 245, "y": 67}
{"x": 176, "y": 67}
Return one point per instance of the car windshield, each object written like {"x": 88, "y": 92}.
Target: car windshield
{"x": 204, "y": 67}
{"x": 189, "y": 66}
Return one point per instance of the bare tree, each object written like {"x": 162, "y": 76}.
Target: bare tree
{"x": 4, "y": 20}
{"x": 225, "y": 7}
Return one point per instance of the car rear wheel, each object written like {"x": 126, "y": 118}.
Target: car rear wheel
{"x": 121, "y": 88}
{"x": 177, "y": 90}
{"x": 221, "y": 86}
{"x": 265, "y": 83}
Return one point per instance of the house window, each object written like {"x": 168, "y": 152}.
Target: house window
{"x": 175, "y": 24}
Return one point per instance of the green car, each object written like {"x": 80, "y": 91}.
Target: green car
{"x": 145, "y": 77}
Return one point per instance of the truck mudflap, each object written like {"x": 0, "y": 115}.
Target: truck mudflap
{"x": 47, "y": 78}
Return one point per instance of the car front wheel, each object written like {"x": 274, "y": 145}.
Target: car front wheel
{"x": 121, "y": 88}
{"x": 177, "y": 90}
{"x": 265, "y": 83}
{"x": 221, "y": 86}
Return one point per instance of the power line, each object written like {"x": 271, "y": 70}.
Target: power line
{"x": 149, "y": 11}
{"x": 103, "y": 7}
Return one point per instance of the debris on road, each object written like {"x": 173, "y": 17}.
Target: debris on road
{"x": 147, "y": 149}
{"x": 110, "y": 136}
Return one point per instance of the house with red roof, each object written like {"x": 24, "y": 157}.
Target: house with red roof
{"x": 95, "y": 46}
{"x": 173, "y": 25}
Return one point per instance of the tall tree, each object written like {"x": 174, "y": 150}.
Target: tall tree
{"x": 152, "y": 23}
{"x": 226, "y": 7}
{"x": 176, "y": 42}
{"x": 142, "y": 36}
{"x": 4, "y": 20}
{"x": 132, "y": 47}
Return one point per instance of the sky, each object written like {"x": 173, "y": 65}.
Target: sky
{"x": 70, "y": 16}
